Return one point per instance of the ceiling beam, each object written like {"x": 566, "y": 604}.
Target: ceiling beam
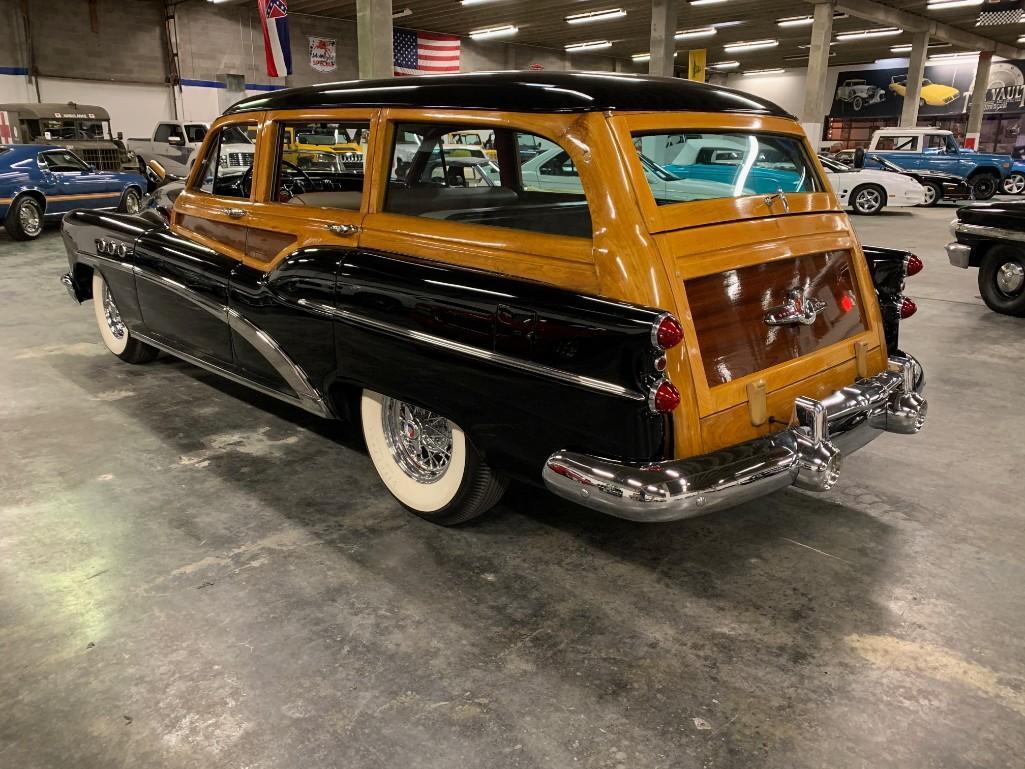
{"x": 912, "y": 22}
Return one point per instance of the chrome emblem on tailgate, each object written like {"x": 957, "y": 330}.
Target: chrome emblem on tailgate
{"x": 798, "y": 309}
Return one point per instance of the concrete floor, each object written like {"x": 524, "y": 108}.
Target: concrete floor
{"x": 192, "y": 575}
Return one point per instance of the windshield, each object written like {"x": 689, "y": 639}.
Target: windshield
{"x": 705, "y": 166}
{"x": 833, "y": 165}
{"x": 71, "y": 130}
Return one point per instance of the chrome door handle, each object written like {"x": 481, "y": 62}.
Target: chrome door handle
{"x": 234, "y": 213}
{"x": 343, "y": 229}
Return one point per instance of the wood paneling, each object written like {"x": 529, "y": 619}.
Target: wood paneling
{"x": 231, "y": 235}
{"x": 729, "y": 308}
{"x": 265, "y": 245}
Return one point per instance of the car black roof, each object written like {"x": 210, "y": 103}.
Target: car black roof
{"x": 518, "y": 92}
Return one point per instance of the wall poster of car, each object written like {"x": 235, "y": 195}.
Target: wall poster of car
{"x": 946, "y": 90}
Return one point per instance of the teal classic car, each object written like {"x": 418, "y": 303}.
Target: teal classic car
{"x": 40, "y": 183}
{"x": 766, "y": 168}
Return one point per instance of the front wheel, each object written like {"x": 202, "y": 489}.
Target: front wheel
{"x": 984, "y": 186}
{"x": 113, "y": 330}
{"x": 1014, "y": 184}
{"x": 868, "y": 200}
{"x": 426, "y": 462}
{"x": 1002, "y": 280}
{"x": 24, "y": 219}
{"x": 857, "y": 103}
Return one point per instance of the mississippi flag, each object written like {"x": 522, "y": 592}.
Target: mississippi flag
{"x": 274, "y": 16}
{"x": 424, "y": 53}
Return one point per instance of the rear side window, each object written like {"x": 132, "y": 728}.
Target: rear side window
{"x": 896, "y": 143}
{"x": 682, "y": 167}
{"x": 227, "y": 168}
{"x": 63, "y": 160}
{"x": 196, "y": 132}
{"x": 321, "y": 163}
{"x": 492, "y": 177}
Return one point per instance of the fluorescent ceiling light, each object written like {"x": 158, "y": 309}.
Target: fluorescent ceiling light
{"x": 725, "y": 24}
{"x": 862, "y": 34}
{"x": 487, "y": 32}
{"x": 804, "y": 21}
{"x": 772, "y": 71}
{"x": 475, "y": 2}
{"x": 723, "y": 65}
{"x": 906, "y": 47}
{"x": 750, "y": 45}
{"x": 705, "y": 2}
{"x": 940, "y": 5}
{"x": 684, "y": 34}
{"x": 645, "y": 56}
{"x": 591, "y": 45}
{"x": 586, "y": 18}
{"x": 939, "y": 57}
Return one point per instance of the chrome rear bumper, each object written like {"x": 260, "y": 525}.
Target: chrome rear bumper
{"x": 808, "y": 454}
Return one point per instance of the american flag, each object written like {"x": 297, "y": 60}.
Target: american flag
{"x": 424, "y": 53}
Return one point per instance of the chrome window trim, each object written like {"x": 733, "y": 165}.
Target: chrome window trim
{"x": 597, "y": 385}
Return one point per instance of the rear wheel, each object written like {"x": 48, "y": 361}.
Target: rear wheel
{"x": 984, "y": 186}
{"x": 1002, "y": 280}
{"x": 426, "y": 462}
{"x": 113, "y": 330}
{"x": 24, "y": 218}
{"x": 131, "y": 201}
{"x": 1014, "y": 184}
{"x": 933, "y": 193}
{"x": 868, "y": 199}
{"x": 858, "y": 103}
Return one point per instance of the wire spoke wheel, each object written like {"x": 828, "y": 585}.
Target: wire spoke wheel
{"x": 420, "y": 441}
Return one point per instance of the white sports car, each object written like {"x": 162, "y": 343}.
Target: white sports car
{"x": 868, "y": 190}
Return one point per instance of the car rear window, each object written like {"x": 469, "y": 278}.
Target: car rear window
{"x": 685, "y": 166}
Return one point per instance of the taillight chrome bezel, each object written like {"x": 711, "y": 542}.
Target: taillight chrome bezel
{"x": 657, "y": 326}
{"x": 912, "y": 268}
{"x": 653, "y": 394}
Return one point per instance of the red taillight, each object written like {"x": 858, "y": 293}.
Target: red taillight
{"x": 907, "y": 308}
{"x": 914, "y": 266}
{"x": 664, "y": 397}
{"x": 668, "y": 333}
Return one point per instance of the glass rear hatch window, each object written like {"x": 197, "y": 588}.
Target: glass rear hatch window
{"x": 683, "y": 166}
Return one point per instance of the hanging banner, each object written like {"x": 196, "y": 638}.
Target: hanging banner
{"x": 274, "y": 18}
{"x": 696, "y": 65}
{"x": 322, "y": 54}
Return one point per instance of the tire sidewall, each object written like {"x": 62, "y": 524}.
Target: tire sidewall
{"x": 115, "y": 345}
{"x": 994, "y": 298}
{"x": 130, "y": 192}
{"x": 937, "y": 194}
{"x": 430, "y": 500}
{"x": 13, "y": 222}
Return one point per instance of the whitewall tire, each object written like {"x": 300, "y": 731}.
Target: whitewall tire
{"x": 426, "y": 462}
{"x": 113, "y": 331}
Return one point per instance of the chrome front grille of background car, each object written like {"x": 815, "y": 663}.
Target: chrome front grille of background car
{"x": 239, "y": 159}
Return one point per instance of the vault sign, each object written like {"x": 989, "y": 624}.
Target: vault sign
{"x": 1006, "y": 89}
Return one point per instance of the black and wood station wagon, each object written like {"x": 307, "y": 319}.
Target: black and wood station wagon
{"x": 647, "y": 297}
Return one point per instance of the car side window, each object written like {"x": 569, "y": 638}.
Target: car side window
{"x": 227, "y": 168}
{"x": 896, "y": 143}
{"x": 499, "y": 182}
{"x": 196, "y": 133}
{"x": 162, "y": 133}
{"x": 63, "y": 160}
{"x": 320, "y": 163}
{"x": 936, "y": 142}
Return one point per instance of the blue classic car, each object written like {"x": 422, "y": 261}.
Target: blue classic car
{"x": 39, "y": 183}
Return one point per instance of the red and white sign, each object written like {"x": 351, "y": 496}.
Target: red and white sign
{"x": 322, "y": 54}
{"x": 6, "y": 129}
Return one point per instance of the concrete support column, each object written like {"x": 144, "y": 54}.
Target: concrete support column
{"x": 818, "y": 65}
{"x": 374, "y": 38}
{"x": 971, "y": 140}
{"x": 916, "y": 71}
{"x": 663, "y": 42}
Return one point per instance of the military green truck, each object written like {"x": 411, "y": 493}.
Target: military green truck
{"x": 82, "y": 128}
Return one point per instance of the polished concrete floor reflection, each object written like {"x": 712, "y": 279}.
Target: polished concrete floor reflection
{"x": 192, "y": 575}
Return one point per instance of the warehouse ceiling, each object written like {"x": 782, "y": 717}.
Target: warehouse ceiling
{"x": 543, "y": 23}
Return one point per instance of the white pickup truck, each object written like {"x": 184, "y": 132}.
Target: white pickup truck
{"x": 171, "y": 145}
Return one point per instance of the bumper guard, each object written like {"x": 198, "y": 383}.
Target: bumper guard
{"x": 808, "y": 454}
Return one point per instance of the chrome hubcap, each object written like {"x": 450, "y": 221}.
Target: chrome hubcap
{"x": 114, "y": 322}
{"x": 420, "y": 441}
{"x": 30, "y": 220}
{"x": 1010, "y": 277}
{"x": 868, "y": 200}
{"x": 132, "y": 203}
